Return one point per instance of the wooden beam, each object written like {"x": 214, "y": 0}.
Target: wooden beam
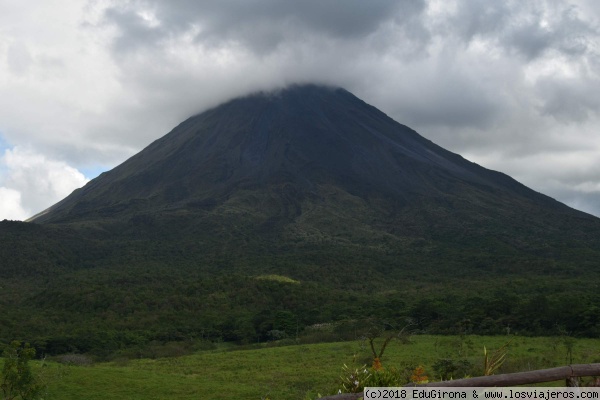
{"x": 523, "y": 378}
{"x": 343, "y": 396}
{"x": 517, "y": 378}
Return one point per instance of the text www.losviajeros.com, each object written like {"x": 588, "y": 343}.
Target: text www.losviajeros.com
{"x": 483, "y": 393}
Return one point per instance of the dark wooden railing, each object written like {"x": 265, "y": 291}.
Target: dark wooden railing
{"x": 567, "y": 373}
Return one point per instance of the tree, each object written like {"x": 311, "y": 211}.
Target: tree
{"x": 18, "y": 381}
{"x": 376, "y": 332}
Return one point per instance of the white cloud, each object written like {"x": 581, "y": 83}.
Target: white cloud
{"x": 56, "y": 79}
{"x": 31, "y": 183}
{"x": 10, "y": 205}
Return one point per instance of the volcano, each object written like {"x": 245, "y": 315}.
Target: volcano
{"x": 295, "y": 146}
{"x": 283, "y": 209}
{"x": 311, "y": 164}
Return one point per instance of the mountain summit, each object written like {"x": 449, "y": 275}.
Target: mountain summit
{"x": 296, "y": 142}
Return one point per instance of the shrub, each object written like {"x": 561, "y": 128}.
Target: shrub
{"x": 448, "y": 368}
{"x": 355, "y": 380}
{"x": 18, "y": 381}
{"x": 386, "y": 377}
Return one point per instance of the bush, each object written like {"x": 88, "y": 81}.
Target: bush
{"x": 355, "y": 380}
{"x": 386, "y": 377}
{"x": 448, "y": 368}
{"x": 18, "y": 381}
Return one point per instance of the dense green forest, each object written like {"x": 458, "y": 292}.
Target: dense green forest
{"x": 68, "y": 292}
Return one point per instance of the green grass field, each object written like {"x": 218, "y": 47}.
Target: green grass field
{"x": 296, "y": 371}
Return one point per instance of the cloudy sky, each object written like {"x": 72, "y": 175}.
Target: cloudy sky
{"x": 511, "y": 85}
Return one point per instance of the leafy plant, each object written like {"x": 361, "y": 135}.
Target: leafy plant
{"x": 18, "y": 381}
{"x": 388, "y": 377}
{"x": 354, "y": 380}
{"x": 418, "y": 376}
{"x": 493, "y": 361}
{"x": 448, "y": 368}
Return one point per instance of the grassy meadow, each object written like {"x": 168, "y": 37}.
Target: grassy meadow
{"x": 297, "y": 371}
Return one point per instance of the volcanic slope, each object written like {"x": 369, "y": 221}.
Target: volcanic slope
{"x": 305, "y": 136}
{"x": 315, "y": 165}
{"x": 315, "y": 161}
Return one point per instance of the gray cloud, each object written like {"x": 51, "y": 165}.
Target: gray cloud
{"x": 564, "y": 32}
{"x": 260, "y": 25}
{"x": 511, "y": 85}
{"x": 18, "y": 59}
{"x": 528, "y": 29}
{"x": 588, "y": 202}
{"x": 570, "y": 99}
{"x": 135, "y": 31}
{"x": 475, "y": 18}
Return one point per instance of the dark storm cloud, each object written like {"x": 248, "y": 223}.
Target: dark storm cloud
{"x": 135, "y": 31}
{"x": 565, "y": 33}
{"x": 260, "y": 25}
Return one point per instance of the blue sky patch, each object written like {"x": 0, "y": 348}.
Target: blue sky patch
{"x": 94, "y": 171}
{"x": 3, "y": 146}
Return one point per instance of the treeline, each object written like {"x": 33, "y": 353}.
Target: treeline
{"x": 110, "y": 289}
